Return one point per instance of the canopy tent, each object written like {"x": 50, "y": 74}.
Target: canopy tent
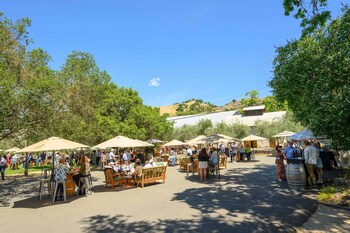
{"x": 284, "y": 134}
{"x": 154, "y": 141}
{"x": 13, "y": 149}
{"x": 255, "y": 141}
{"x": 195, "y": 140}
{"x": 146, "y": 144}
{"x": 174, "y": 143}
{"x": 217, "y": 138}
{"x": 121, "y": 142}
{"x": 304, "y": 134}
{"x": 53, "y": 144}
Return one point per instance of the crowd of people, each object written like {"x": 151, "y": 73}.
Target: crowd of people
{"x": 309, "y": 152}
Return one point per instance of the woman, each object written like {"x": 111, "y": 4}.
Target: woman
{"x": 103, "y": 160}
{"x": 83, "y": 172}
{"x": 3, "y": 165}
{"x": 61, "y": 174}
{"x": 279, "y": 163}
{"x": 203, "y": 159}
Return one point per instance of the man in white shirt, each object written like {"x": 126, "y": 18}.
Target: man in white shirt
{"x": 311, "y": 155}
{"x": 126, "y": 155}
{"x": 189, "y": 151}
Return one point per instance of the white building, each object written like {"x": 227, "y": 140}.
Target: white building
{"x": 250, "y": 116}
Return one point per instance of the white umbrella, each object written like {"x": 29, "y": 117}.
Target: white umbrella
{"x": 174, "y": 143}
{"x": 154, "y": 141}
{"x": 195, "y": 140}
{"x": 144, "y": 143}
{"x": 121, "y": 142}
{"x": 13, "y": 149}
{"x": 217, "y": 138}
{"x": 283, "y": 134}
{"x": 52, "y": 144}
{"x": 253, "y": 138}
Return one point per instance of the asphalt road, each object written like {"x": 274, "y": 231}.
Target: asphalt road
{"x": 246, "y": 199}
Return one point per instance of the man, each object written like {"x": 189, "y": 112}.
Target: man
{"x": 311, "y": 155}
{"x": 233, "y": 152}
{"x": 222, "y": 148}
{"x": 214, "y": 158}
{"x": 290, "y": 151}
{"x": 189, "y": 151}
{"x": 126, "y": 155}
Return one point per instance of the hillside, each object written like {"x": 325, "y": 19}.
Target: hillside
{"x": 195, "y": 106}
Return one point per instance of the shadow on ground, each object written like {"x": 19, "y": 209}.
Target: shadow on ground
{"x": 246, "y": 200}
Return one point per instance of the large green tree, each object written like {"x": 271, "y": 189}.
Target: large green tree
{"x": 312, "y": 13}
{"x": 313, "y": 75}
{"x": 26, "y": 83}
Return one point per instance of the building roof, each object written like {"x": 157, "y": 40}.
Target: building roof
{"x": 215, "y": 118}
{"x": 250, "y": 120}
{"x": 261, "y": 107}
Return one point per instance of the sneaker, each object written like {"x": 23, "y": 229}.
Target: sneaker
{"x": 280, "y": 180}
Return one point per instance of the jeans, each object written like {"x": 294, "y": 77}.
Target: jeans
{"x": 2, "y": 170}
{"x": 172, "y": 160}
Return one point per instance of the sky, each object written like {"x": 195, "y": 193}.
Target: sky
{"x": 168, "y": 51}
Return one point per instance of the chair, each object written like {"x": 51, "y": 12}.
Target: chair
{"x": 194, "y": 167}
{"x": 114, "y": 179}
{"x": 215, "y": 171}
{"x": 57, "y": 182}
{"x": 44, "y": 179}
{"x": 85, "y": 184}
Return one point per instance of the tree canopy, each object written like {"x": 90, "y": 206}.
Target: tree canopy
{"x": 312, "y": 74}
{"x": 78, "y": 102}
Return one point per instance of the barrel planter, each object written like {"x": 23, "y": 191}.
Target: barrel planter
{"x": 70, "y": 185}
{"x": 296, "y": 175}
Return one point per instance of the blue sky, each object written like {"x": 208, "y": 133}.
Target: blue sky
{"x": 169, "y": 51}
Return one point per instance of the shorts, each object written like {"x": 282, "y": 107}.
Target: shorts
{"x": 203, "y": 164}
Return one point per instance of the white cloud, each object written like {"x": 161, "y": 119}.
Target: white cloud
{"x": 155, "y": 82}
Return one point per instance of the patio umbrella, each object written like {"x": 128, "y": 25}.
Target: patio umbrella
{"x": 13, "y": 149}
{"x": 253, "y": 138}
{"x": 283, "y": 134}
{"x": 217, "y": 138}
{"x": 144, "y": 143}
{"x": 53, "y": 144}
{"x": 154, "y": 141}
{"x": 120, "y": 141}
{"x": 174, "y": 143}
{"x": 195, "y": 140}
{"x": 304, "y": 134}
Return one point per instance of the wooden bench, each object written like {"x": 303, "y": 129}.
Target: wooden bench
{"x": 150, "y": 175}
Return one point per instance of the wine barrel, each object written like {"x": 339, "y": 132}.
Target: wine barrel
{"x": 296, "y": 175}
{"x": 70, "y": 185}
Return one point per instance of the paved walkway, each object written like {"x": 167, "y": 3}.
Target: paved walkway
{"x": 246, "y": 199}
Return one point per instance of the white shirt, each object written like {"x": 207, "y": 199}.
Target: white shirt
{"x": 126, "y": 156}
{"x": 148, "y": 165}
{"x": 189, "y": 151}
{"x": 311, "y": 154}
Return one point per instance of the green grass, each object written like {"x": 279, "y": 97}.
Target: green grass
{"x": 20, "y": 170}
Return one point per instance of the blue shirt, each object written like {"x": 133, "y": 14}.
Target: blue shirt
{"x": 291, "y": 152}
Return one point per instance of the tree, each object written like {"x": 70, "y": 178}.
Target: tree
{"x": 312, "y": 74}
{"x": 272, "y": 105}
{"x": 251, "y": 100}
{"x": 312, "y": 13}
{"x": 27, "y": 83}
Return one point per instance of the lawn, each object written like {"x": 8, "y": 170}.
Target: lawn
{"x": 20, "y": 169}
